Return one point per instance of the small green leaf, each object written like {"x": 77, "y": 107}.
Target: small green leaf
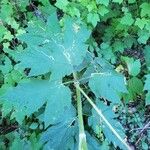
{"x": 134, "y": 66}
{"x": 3, "y": 30}
{"x": 148, "y": 98}
{"x": 135, "y": 86}
{"x": 118, "y": 46}
{"x": 102, "y": 10}
{"x": 129, "y": 41}
{"x": 74, "y": 11}
{"x": 13, "y": 24}
{"x": 147, "y": 87}
{"x": 8, "y": 36}
{"x": 147, "y": 82}
{"x": 118, "y": 1}
{"x": 6, "y": 11}
{"x": 91, "y": 6}
{"x": 131, "y": 1}
{"x": 143, "y": 36}
{"x": 127, "y": 19}
{"x": 104, "y": 2}
{"x": 93, "y": 18}
{"x": 147, "y": 27}
{"x": 141, "y": 22}
{"x": 106, "y": 52}
{"x": 62, "y": 4}
{"x": 33, "y": 126}
{"x": 145, "y": 7}
{"x": 147, "y": 56}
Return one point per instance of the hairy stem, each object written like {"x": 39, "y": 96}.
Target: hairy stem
{"x": 104, "y": 119}
{"x": 82, "y": 135}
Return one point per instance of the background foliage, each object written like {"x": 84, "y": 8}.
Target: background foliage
{"x": 44, "y": 43}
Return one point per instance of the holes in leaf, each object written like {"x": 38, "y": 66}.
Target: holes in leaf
{"x": 14, "y": 43}
{"x": 59, "y": 14}
{"x": 1, "y": 48}
{"x": 15, "y": 84}
{"x": 27, "y": 71}
{"x": 73, "y": 123}
{"x": 1, "y": 79}
{"x": 13, "y": 62}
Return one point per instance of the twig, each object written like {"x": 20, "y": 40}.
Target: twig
{"x": 142, "y": 132}
{"x": 145, "y": 127}
{"x": 138, "y": 129}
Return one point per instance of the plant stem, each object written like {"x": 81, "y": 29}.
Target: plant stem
{"x": 104, "y": 119}
{"x": 82, "y": 135}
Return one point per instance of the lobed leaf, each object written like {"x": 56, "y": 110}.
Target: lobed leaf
{"x": 108, "y": 86}
{"x": 28, "y": 97}
{"x": 51, "y": 49}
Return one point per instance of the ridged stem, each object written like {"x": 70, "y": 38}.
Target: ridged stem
{"x": 82, "y": 135}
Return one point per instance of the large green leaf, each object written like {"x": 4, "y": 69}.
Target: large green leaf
{"x": 95, "y": 64}
{"x": 52, "y": 49}
{"x": 68, "y": 134}
{"x": 28, "y": 97}
{"x": 108, "y": 85}
{"x": 103, "y": 80}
